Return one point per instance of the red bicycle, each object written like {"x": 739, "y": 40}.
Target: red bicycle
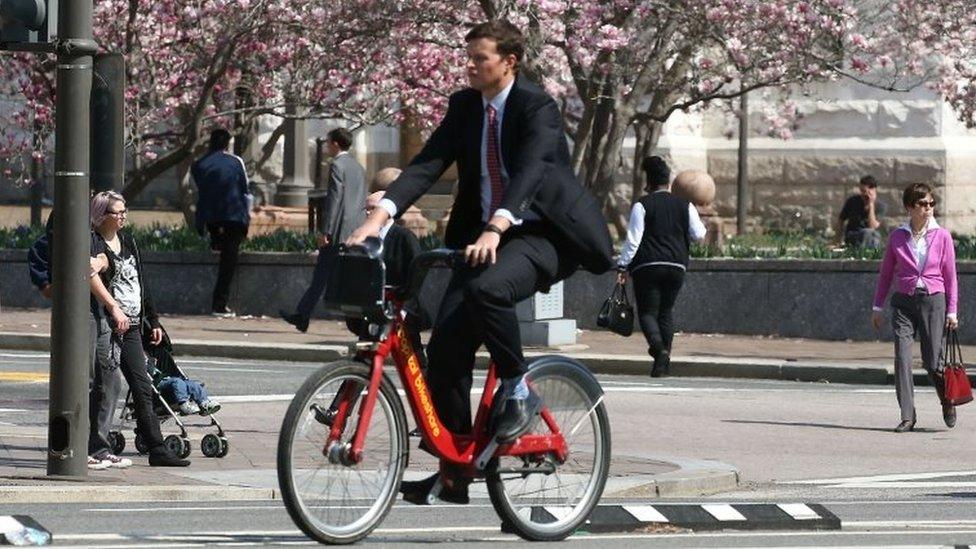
{"x": 343, "y": 445}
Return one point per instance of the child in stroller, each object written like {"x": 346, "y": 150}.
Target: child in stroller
{"x": 188, "y": 395}
{"x": 176, "y": 395}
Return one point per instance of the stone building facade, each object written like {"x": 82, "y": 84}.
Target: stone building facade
{"x": 847, "y": 130}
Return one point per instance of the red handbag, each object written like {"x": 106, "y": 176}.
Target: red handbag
{"x": 958, "y": 390}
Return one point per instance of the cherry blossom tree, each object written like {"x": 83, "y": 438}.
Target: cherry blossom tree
{"x": 618, "y": 67}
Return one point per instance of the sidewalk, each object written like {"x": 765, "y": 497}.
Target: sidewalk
{"x": 708, "y": 355}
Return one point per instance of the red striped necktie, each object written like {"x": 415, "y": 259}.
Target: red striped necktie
{"x": 494, "y": 164}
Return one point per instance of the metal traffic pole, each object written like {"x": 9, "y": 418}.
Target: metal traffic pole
{"x": 70, "y": 331}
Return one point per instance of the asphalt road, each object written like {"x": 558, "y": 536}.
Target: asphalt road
{"x": 793, "y": 442}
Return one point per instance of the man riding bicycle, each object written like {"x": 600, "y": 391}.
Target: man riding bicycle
{"x": 522, "y": 218}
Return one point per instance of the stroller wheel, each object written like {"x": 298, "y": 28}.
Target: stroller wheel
{"x": 185, "y": 449}
{"x": 224, "y": 447}
{"x": 174, "y": 444}
{"x": 117, "y": 441}
{"x": 141, "y": 446}
{"x": 210, "y": 445}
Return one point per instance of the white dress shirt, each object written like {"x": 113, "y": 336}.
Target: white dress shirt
{"x": 635, "y": 233}
{"x": 498, "y": 102}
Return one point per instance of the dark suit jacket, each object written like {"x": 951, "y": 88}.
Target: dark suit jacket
{"x": 536, "y": 157}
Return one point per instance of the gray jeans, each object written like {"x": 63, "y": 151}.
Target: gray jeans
{"x": 104, "y": 388}
{"x": 924, "y": 315}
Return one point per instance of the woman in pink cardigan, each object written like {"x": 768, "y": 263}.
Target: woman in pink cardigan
{"x": 921, "y": 262}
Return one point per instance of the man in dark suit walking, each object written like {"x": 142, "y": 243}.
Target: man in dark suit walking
{"x": 522, "y": 218}
{"x": 343, "y": 212}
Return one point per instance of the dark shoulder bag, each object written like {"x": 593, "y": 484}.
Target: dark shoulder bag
{"x": 617, "y": 314}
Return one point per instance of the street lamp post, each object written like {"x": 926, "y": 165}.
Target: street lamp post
{"x": 70, "y": 333}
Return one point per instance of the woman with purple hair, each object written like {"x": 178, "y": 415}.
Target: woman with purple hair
{"x": 122, "y": 290}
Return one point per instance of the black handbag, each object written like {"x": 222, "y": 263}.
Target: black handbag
{"x": 617, "y": 314}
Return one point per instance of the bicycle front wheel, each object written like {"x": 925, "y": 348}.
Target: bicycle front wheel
{"x": 538, "y": 497}
{"x": 329, "y": 497}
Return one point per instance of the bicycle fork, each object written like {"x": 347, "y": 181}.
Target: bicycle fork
{"x": 350, "y": 453}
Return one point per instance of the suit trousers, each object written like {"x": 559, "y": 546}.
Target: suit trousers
{"x": 226, "y": 238}
{"x": 479, "y": 307}
{"x": 924, "y": 315}
{"x": 320, "y": 278}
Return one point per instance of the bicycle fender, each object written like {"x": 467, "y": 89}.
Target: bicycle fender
{"x": 569, "y": 367}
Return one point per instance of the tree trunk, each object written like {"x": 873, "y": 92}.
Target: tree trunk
{"x": 647, "y": 137}
{"x": 186, "y": 193}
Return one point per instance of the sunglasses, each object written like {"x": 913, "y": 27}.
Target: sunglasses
{"x": 120, "y": 213}
{"x": 925, "y": 203}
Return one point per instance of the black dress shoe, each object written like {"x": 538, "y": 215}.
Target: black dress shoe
{"x": 421, "y": 492}
{"x": 905, "y": 426}
{"x": 161, "y": 457}
{"x": 662, "y": 365}
{"x": 301, "y": 324}
{"x": 516, "y": 416}
{"x": 949, "y": 415}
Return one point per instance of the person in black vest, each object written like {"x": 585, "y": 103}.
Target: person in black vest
{"x": 655, "y": 254}
{"x": 522, "y": 218}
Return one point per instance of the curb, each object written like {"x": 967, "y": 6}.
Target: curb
{"x": 693, "y": 478}
{"x": 131, "y": 493}
{"x": 709, "y": 516}
{"x": 683, "y": 366}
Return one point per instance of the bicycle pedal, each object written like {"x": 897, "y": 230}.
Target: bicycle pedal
{"x": 435, "y": 491}
{"x": 485, "y": 456}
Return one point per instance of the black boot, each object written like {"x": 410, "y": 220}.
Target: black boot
{"x": 161, "y": 457}
{"x": 422, "y": 492}
{"x": 949, "y": 415}
{"x": 662, "y": 365}
{"x": 301, "y": 324}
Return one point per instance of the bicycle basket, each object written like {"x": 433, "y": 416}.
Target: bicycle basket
{"x": 356, "y": 281}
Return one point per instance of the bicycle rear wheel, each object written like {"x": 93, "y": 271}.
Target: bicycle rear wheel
{"x": 537, "y": 497}
{"x": 330, "y": 499}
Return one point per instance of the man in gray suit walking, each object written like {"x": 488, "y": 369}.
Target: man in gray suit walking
{"x": 343, "y": 212}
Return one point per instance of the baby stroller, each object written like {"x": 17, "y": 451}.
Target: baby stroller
{"x": 160, "y": 357}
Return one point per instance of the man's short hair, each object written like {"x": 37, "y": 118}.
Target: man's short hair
{"x": 341, "y": 137}
{"x": 219, "y": 139}
{"x": 869, "y": 181}
{"x": 508, "y": 38}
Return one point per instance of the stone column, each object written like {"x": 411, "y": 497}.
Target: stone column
{"x": 295, "y": 182}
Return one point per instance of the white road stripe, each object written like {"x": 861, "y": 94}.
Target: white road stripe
{"x": 223, "y": 369}
{"x": 799, "y": 511}
{"x": 882, "y": 478}
{"x": 723, "y": 512}
{"x": 645, "y": 513}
